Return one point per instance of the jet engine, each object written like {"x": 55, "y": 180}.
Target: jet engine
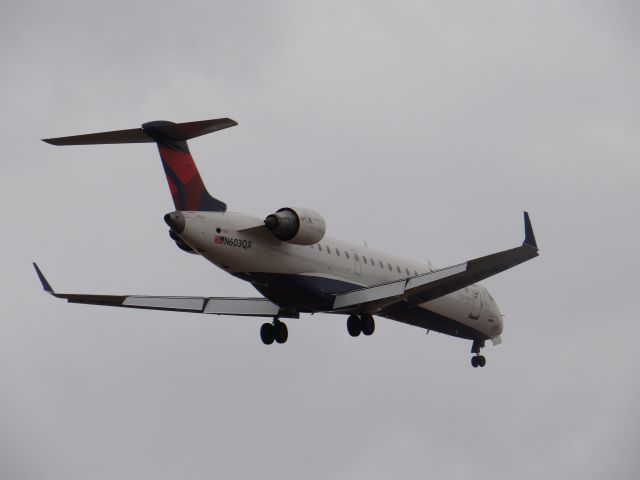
{"x": 301, "y": 226}
{"x": 180, "y": 243}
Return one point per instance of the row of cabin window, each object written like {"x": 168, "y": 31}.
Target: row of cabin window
{"x": 346, "y": 254}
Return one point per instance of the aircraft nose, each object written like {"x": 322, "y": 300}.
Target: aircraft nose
{"x": 175, "y": 220}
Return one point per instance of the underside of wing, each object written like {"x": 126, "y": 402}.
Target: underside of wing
{"x": 423, "y": 288}
{"x": 244, "y": 306}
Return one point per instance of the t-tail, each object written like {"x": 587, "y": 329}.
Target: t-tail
{"x": 185, "y": 184}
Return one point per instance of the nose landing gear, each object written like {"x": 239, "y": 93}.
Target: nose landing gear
{"x": 274, "y": 331}
{"x": 478, "y": 360}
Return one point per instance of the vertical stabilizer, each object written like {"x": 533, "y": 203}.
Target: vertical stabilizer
{"x": 185, "y": 184}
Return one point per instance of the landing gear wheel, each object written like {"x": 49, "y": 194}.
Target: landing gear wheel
{"x": 354, "y": 325}
{"x": 368, "y": 324}
{"x": 280, "y": 332}
{"x": 477, "y": 360}
{"x": 267, "y": 333}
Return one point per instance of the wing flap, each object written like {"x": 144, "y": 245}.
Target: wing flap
{"x": 187, "y": 304}
{"x": 250, "y": 307}
{"x": 370, "y": 294}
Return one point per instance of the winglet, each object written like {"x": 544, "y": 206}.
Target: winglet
{"x": 529, "y": 237}
{"x": 43, "y": 280}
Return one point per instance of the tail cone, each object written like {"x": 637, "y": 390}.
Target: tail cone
{"x": 175, "y": 220}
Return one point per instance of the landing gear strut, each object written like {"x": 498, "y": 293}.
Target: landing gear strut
{"x": 364, "y": 324}
{"x": 478, "y": 360}
{"x": 274, "y": 331}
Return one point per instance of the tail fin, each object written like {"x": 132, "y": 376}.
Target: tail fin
{"x": 186, "y": 186}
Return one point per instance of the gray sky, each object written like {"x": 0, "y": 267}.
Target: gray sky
{"x": 424, "y": 128}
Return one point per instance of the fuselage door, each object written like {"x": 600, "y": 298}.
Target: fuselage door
{"x": 476, "y": 305}
{"x": 357, "y": 268}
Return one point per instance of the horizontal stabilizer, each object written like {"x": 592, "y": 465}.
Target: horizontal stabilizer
{"x": 175, "y": 131}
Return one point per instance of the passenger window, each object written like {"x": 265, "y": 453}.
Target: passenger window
{"x": 346, "y": 254}
{"x": 319, "y": 247}
{"x": 390, "y": 267}
{"x": 337, "y": 252}
{"x": 381, "y": 264}
{"x": 406, "y": 270}
{"x": 373, "y": 263}
{"x": 356, "y": 257}
{"x": 328, "y": 249}
{"x": 364, "y": 259}
{"x": 415, "y": 273}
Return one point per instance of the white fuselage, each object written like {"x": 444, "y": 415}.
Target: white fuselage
{"x": 237, "y": 243}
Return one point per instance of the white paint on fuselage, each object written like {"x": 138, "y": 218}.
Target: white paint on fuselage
{"x": 238, "y": 243}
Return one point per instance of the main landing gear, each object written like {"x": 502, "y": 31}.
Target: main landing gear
{"x": 274, "y": 331}
{"x": 364, "y": 324}
{"x": 478, "y": 360}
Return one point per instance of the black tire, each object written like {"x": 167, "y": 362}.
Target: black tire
{"x": 482, "y": 361}
{"x": 368, "y": 324}
{"x": 280, "y": 332}
{"x": 474, "y": 362}
{"x": 354, "y": 325}
{"x": 267, "y": 333}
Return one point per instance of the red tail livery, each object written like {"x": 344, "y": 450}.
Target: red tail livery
{"x": 186, "y": 186}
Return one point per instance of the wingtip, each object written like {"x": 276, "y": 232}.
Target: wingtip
{"x": 529, "y": 237}
{"x": 45, "y": 284}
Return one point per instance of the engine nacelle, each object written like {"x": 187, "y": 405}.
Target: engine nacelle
{"x": 301, "y": 226}
{"x": 180, "y": 243}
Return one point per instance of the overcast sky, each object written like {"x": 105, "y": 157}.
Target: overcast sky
{"x": 423, "y": 128}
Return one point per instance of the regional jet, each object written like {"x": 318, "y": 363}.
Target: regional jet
{"x": 296, "y": 268}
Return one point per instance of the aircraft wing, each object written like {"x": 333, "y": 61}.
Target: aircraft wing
{"x": 422, "y": 288}
{"x": 248, "y": 307}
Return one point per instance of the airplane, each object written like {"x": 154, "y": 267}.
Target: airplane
{"x": 295, "y": 267}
